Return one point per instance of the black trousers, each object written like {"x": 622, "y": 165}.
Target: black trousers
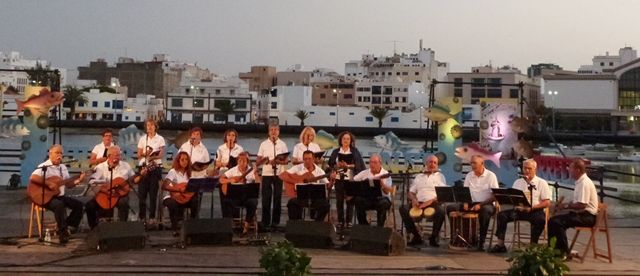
{"x": 58, "y": 205}
{"x": 271, "y": 188}
{"x": 94, "y": 211}
{"x": 340, "y": 200}
{"x": 410, "y": 225}
{"x": 536, "y": 219}
{"x": 320, "y": 208}
{"x": 176, "y": 210}
{"x": 559, "y": 224}
{"x": 484, "y": 216}
{"x": 380, "y": 204}
{"x": 149, "y": 186}
{"x": 231, "y": 206}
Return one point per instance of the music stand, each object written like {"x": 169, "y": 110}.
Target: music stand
{"x": 239, "y": 191}
{"x": 347, "y": 158}
{"x": 511, "y": 196}
{"x": 367, "y": 188}
{"x": 454, "y": 194}
{"x": 311, "y": 191}
{"x": 201, "y": 185}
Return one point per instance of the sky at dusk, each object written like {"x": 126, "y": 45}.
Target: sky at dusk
{"x": 230, "y": 36}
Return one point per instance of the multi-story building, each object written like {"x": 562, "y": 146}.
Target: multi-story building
{"x": 490, "y": 82}
{"x": 18, "y": 80}
{"x": 260, "y": 80}
{"x": 106, "y": 106}
{"x": 404, "y": 96}
{"x": 536, "y": 70}
{"x": 608, "y": 62}
{"x": 331, "y": 88}
{"x": 203, "y": 101}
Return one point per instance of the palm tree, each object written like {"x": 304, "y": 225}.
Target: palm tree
{"x": 44, "y": 76}
{"x": 226, "y": 108}
{"x": 73, "y": 95}
{"x": 302, "y": 115}
{"x": 379, "y": 113}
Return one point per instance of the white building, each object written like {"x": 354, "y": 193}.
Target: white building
{"x": 13, "y": 60}
{"x": 199, "y": 101}
{"x": 607, "y": 62}
{"x": 391, "y": 94}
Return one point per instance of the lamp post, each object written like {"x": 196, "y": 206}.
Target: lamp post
{"x": 553, "y": 111}
{"x": 420, "y": 115}
{"x": 337, "y": 92}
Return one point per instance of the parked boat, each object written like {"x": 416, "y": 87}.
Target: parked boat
{"x": 634, "y": 156}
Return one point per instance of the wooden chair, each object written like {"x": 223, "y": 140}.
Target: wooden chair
{"x": 35, "y": 210}
{"x": 518, "y": 235}
{"x": 601, "y": 226}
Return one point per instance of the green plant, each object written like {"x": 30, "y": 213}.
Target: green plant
{"x": 538, "y": 259}
{"x": 44, "y": 76}
{"x": 284, "y": 259}
{"x": 379, "y": 113}
{"x": 302, "y": 115}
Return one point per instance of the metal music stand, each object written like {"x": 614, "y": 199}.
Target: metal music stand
{"x": 368, "y": 189}
{"x": 511, "y": 196}
{"x": 308, "y": 192}
{"x": 455, "y": 194}
{"x": 202, "y": 185}
{"x": 241, "y": 191}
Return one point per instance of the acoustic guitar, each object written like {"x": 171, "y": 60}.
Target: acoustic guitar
{"x": 51, "y": 185}
{"x": 108, "y": 195}
{"x": 178, "y": 191}
{"x": 307, "y": 177}
{"x": 236, "y": 179}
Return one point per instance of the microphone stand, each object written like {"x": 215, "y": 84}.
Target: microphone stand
{"x": 110, "y": 187}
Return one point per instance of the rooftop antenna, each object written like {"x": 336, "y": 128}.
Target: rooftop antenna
{"x": 394, "y": 45}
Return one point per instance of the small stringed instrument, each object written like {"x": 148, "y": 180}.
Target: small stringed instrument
{"x": 108, "y": 195}
{"x": 178, "y": 192}
{"x": 51, "y": 188}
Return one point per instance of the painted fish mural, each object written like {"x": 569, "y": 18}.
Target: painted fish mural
{"x": 438, "y": 113}
{"x": 130, "y": 136}
{"x": 41, "y": 103}
{"x": 467, "y": 151}
{"x": 523, "y": 148}
{"x": 12, "y": 127}
{"x": 390, "y": 141}
{"x": 325, "y": 140}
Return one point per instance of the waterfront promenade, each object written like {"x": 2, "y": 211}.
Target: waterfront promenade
{"x": 161, "y": 255}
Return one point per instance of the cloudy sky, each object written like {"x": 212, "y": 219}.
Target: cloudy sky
{"x": 230, "y": 36}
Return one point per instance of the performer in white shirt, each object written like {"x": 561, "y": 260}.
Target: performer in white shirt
{"x": 583, "y": 208}
{"x": 175, "y": 197}
{"x": 271, "y": 184}
{"x": 306, "y": 143}
{"x": 99, "y": 152}
{"x": 226, "y": 158}
{"x": 198, "y": 153}
{"x": 304, "y": 173}
{"x": 539, "y": 196}
{"x": 150, "y": 153}
{"x": 235, "y": 175}
{"x": 380, "y": 204}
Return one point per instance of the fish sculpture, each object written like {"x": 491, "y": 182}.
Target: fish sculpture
{"x": 180, "y": 139}
{"x": 41, "y": 103}
{"x": 438, "y": 113}
{"x": 325, "y": 140}
{"x": 130, "y": 136}
{"x": 390, "y": 141}
{"x": 520, "y": 125}
{"x": 467, "y": 151}
{"x": 12, "y": 127}
{"x": 523, "y": 148}
{"x": 451, "y": 103}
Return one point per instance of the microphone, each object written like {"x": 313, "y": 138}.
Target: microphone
{"x": 529, "y": 185}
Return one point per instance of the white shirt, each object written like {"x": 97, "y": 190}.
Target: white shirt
{"x": 59, "y": 170}
{"x": 367, "y": 174}
{"x": 480, "y": 186}
{"x": 122, "y": 170}
{"x": 267, "y": 150}
{"x": 300, "y": 170}
{"x": 233, "y": 172}
{"x": 100, "y": 150}
{"x": 585, "y": 192}
{"x": 197, "y": 153}
{"x": 300, "y": 148}
{"x": 223, "y": 152}
{"x": 540, "y": 193}
{"x": 424, "y": 185}
{"x": 175, "y": 177}
{"x": 156, "y": 143}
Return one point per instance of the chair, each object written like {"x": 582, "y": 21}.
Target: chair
{"x": 601, "y": 226}
{"x": 494, "y": 217}
{"x": 35, "y": 210}
{"x": 239, "y": 221}
{"x": 424, "y": 227}
{"x": 518, "y": 236}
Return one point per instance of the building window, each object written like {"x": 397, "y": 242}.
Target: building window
{"x": 359, "y": 98}
{"x": 107, "y": 104}
{"x": 457, "y": 82}
{"x": 397, "y": 73}
{"x": 395, "y": 119}
{"x": 376, "y": 90}
{"x": 417, "y": 73}
{"x": 601, "y": 63}
{"x": 219, "y": 117}
{"x": 387, "y": 100}
{"x": 176, "y": 102}
{"x": 241, "y": 104}
{"x": 494, "y": 82}
{"x": 201, "y": 90}
{"x": 610, "y": 63}
{"x": 404, "y": 99}
{"x": 274, "y": 105}
{"x": 477, "y": 82}
{"x": 80, "y": 103}
{"x": 477, "y": 93}
{"x": 376, "y": 100}
{"x": 274, "y": 93}
{"x": 347, "y": 96}
{"x": 514, "y": 93}
{"x": 118, "y": 104}
{"x": 332, "y": 113}
{"x": 198, "y": 103}
{"x": 494, "y": 93}
{"x": 368, "y": 119}
{"x": 405, "y": 73}
{"x": 323, "y": 96}
{"x": 217, "y": 91}
{"x": 94, "y": 104}
{"x": 388, "y": 90}
{"x": 232, "y": 91}
{"x": 239, "y": 118}
{"x": 457, "y": 92}
{"x": 397, "y": 99}
{"x": 198, "y": 118}
{"x": 351, "y": 113}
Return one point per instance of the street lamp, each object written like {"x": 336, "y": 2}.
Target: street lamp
{"x": 420, "y": 116}
{"x": 337, "y": 92}
{"x": 553, "y": 106}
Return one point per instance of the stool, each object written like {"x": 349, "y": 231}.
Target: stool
{"x": 35, "y": 210}
{"x": 601, "y": 225}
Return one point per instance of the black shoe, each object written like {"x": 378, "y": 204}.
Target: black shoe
{"x": 433, "y": 242}
{"x": 63, "y": 237}
{"x": 498, "y": 249}
{"x": 72, "y": 230}
{"x": 415, "y": 241}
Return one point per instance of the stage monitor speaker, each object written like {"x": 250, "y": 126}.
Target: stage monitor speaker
{"x": 310, "y": 234}
{"x": 208, "y": 231}
{"x": 119, "y": 235}
{"x": 376, "y": 240}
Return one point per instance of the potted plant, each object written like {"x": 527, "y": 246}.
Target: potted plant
{"x": 538, "y": 259}
{"x": 284, "y": 259}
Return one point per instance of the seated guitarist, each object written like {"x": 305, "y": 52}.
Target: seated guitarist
{"x": 176, "y": 183}
{"x": 113, "y": 176}
{"x": 241, "y": 173}
{"x": 55, "y": 171}
{"x": 306, "y": 172}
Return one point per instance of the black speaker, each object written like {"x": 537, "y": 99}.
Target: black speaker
{"x": 376, "y": 240}
{"x": 208, "y": 231}
{"x": 310, "y": 234}
{"x": 120, "y": 235}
